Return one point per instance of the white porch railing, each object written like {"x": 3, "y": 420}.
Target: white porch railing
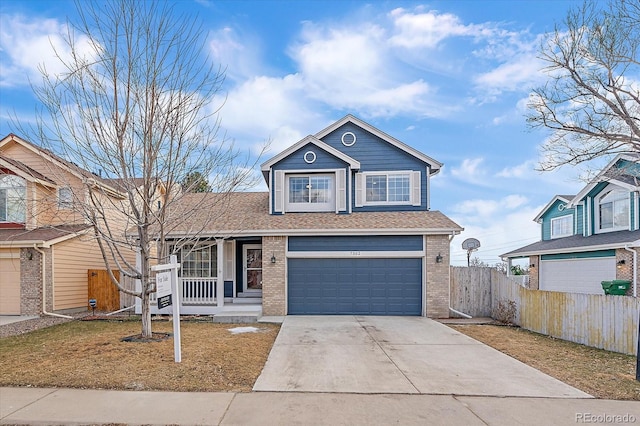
{"x": 198, "y": 291}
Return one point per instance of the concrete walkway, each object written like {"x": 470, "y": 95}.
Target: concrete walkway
{"x": 83, "y": 407}
{"x": 396, "y": 355}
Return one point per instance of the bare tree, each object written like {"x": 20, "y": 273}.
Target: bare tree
{"x": 591, "y": 102}
{"x": 136, "y": 106}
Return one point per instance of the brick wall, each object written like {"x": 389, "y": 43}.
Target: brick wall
{"x": 274, "y": 294}
{"x": 437, "y": 297}
{"x": 534, "y": 272}
{"x": 625, "y": 271}
{"x": 31, "y": 281}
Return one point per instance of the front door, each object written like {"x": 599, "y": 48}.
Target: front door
{"x": 252, "y": 261}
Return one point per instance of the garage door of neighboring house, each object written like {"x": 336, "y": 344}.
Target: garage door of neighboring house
{"x": 577, "y": 275}
{"x": 10, "y": 283}
{"x": 358, "y": 281}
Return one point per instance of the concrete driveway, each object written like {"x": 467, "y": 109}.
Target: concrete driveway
{"x": 408, "y": 355}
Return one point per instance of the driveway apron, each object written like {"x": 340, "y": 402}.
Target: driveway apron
{"x": 407, "y": 355}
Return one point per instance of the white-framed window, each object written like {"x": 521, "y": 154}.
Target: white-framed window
{"x": 388, "y": 188}
{"x": 562, "y": 226}
{"x": 612, "y": 208}
{"x": 198, "y": 261}
{"x": 312, "y": 192}
{"x": 65, "y": 198}
{"x": 13, "y": 199}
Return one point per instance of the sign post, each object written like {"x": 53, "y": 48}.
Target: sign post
{"x": 168, "y": 294}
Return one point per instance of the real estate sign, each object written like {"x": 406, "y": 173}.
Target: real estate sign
{"x": 163, "y": 289}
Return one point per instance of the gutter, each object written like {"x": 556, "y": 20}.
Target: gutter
{"x": 635, "y": 270}
{"x": 44, "y": 287}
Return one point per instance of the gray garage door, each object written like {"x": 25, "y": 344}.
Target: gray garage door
{"x": 355, "y": 286}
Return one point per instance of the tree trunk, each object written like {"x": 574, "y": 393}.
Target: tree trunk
{"x": 146, "y": 315}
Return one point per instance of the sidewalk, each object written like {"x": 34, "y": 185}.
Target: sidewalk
{"x": 80, "y": 407}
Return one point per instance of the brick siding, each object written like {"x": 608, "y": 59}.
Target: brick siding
{"x": 274, "y": 295}
{"x": 437, "y": 297}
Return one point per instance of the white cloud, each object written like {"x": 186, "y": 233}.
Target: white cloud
{"x": 29, "y": 43}
{"x": 520, "y": 171}
{"x": 427, "y": 30}
{"x": 469, "y": 170}
{"x": 238, "y": 54}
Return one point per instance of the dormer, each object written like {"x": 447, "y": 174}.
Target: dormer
{"x": 348, "y": 167}
{"x": 556, "y": 219}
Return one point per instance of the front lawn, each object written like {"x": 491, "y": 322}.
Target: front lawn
{"x": 90, "y": 354}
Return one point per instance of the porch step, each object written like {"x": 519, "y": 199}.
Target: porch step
{"x": 237, "y": 317}
{"x": 247, "y": 301}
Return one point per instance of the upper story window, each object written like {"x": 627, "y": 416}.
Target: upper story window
{"x": 13, "y": 205}
{"x": 314, "y": 192}
{"x": 562, "y": 226}
{"x": 65, "y": 198}
{"x": 613, "y": 211}
{"x": 399, "y": 188}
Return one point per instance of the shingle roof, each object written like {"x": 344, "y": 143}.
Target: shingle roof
{"x": 247, "y": 213}
{"x": 578, "y": 243}
{"x": 38, "y": 235}
{"x": 26, "y": 169}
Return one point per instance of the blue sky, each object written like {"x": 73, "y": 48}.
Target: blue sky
{"x": 450, "y": 78}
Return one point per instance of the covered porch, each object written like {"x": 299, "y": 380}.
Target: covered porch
{"x": 218, "y": 276}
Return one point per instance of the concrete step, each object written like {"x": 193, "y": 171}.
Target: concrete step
{"x": 237, "y": 317}
{"x": 247, "y": 301}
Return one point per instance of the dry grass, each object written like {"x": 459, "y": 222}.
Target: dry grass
{"x": 90, "y": 354}
{"x": 603, "y": 374}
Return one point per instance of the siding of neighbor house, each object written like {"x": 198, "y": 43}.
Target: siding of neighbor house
{"x": 554, "y": 211}
{"x": 10, "y": 286}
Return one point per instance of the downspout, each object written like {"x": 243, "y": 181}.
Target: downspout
{"x": 635, "y": 270}
{"x": 462, "y": 314}
{"x": 44, "y": 287}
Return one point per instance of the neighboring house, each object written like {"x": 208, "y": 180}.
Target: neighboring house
{"x": 345, "y": 228}
{"x": 590, "y": 237}
{"x": 46, "y": 246}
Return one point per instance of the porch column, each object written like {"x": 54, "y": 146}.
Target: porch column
{"x": 220, "y": 276}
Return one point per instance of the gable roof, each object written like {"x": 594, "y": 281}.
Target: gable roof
{"x": 354, "y": 164}
{"x": 69, "y": 166}
{"x": 578, "y": 243}
{"x": 25, "y": 171}
{"x": 434, "y": 165}
{"x": 566, "y": 198}
{"x": 607, "y": 174}
{"x": 247, "y": 213}
{"x": 44, "y": 236}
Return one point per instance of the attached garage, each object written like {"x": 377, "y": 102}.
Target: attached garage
{"x": 10, "y": 283}
{"x": 583, "y": 275}
{"x": 355, "y": 286}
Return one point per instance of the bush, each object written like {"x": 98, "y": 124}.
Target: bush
{"x": 505, "y": 312}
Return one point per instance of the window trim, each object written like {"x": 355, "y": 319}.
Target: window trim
{"x": 187, "y": 248}
{"x": 387, "y": 174}
{"x": 563, "y": 217}
{"x": 597, "y": 203}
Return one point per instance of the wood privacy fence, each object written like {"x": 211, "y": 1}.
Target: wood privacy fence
{"x": 606, "y": 322}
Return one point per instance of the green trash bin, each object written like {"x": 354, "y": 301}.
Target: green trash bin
{"x": 606, "y": 286}
{"x": 619, "y": 287}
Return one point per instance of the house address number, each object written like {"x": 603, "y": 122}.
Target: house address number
{"x": 355, "y": 253}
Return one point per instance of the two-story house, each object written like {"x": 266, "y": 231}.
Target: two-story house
{"x": 345, "y": 228}
{"x": 46, "y": 244}
{"x": 589, "y": 237}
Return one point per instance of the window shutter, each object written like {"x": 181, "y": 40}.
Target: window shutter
{"x": 415, "y": 188}
{"x": 359, "y": 189}
{"x": 228, "y": 261}
{"x": 278, "y": 205}
{"x": 341, "y": 190}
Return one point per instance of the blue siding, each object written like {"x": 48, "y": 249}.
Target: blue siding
{"x": 228, "y": 289}
{"x": 553, "y": 212}
{"x": 359, "y": 243}
{"x": 375, "y": 154}
{"x": 354, "y": 286}
{"x": 582, "y": 255}
{"x": 295, "y": 161}
{"x": 580, "y": 215}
